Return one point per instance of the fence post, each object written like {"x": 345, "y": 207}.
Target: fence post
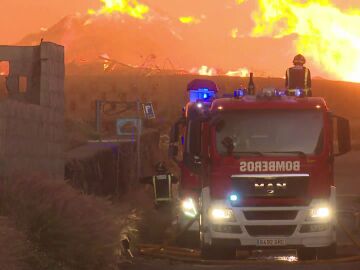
{"x": 98, "y": 117}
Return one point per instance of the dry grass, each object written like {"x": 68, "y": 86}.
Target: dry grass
{"x": 70, "y": 230}
{"x": 78, "y": 132}
{"x": 14, "y": 252}
{"x": 168, "y": 94}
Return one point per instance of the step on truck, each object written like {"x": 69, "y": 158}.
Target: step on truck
{"x": 257, "y": 171}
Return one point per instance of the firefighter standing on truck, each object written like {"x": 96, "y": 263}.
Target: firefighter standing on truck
{"x": 298, "y": 77}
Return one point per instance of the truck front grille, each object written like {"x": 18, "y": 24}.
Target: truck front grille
{"x": 271, "y": 230}
{"x": 270, "y": 215}
{"x": 268, "y": 186}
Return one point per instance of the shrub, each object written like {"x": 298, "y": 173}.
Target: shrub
{"x": 70, "y": 230}
{"x": 14, "y": 250}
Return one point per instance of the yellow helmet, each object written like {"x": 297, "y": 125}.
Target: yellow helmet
{"x": 299, "y": 60}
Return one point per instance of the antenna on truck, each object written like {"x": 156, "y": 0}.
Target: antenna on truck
{"x": 251, "y": 86}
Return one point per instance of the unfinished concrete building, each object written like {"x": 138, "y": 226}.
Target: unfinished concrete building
{"x": 32, "y": 113}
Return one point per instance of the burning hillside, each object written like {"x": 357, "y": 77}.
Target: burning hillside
{"x": 264, "y": 40}
{"x": 138, "y": 35}
{"x": 122, "y": 37}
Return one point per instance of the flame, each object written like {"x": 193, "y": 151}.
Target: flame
{"x": 234, "y": 33}
{"x": 241, "y": 72}
{"x": 210, "y": 71}
{"x": 189, "y": 20}
{"x": 328, "y": 35}
{"x": 130, "y": 7}
{"x": 204, "y": 71}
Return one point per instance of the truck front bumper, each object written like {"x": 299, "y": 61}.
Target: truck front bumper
{"x": 250, "y": 232}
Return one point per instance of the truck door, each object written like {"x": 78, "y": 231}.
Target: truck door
{"x": 192, "y": 151}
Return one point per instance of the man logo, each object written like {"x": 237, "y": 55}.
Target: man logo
{"x": 270, "y": 187}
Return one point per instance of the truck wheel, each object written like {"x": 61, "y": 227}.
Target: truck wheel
{"x": 306, "y": 254}
{"x": 326, "y": 253}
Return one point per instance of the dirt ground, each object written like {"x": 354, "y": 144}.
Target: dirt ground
{"x": 347, "y": 173}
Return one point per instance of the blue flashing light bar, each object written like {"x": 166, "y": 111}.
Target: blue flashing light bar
{"x": 298, "y": 92}
{"x": 239, "y": 93}
{"x": 280, "y": 93}
{"x": 201, "y": 94}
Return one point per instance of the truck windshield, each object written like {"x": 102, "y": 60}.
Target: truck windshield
{"x": 270, "y": 132}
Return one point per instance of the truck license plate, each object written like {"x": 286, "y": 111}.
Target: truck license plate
{"x": 271, "y": 242}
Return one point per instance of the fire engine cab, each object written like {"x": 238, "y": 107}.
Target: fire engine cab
{"x": 257, "y": 171}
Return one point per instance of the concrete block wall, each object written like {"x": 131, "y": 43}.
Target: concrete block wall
{"x": 32, "y": 126}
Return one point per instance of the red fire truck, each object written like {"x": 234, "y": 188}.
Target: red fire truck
{"x": 258, "y": 170}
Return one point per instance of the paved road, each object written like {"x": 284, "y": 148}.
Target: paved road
{"x": 348, "y": 182}
{"x": 166, "y": 265}
{"x": 347, "y": 173}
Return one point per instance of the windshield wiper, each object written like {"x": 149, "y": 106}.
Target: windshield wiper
{"x": 300, "y": 153}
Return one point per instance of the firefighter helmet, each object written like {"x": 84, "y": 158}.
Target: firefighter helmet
{"x": 299, "y": 60}
{"x": 160, "y": 167}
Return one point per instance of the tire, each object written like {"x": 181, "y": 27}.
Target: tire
{"x": 326, "y": 253}
{"x": 306, "y": 254}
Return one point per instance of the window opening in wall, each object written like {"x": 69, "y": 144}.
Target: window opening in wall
{"x": 4, "y": 72}
{"x": 4, "y": 68}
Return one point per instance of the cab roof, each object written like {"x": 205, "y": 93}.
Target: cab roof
{"x": 275, "y": 103}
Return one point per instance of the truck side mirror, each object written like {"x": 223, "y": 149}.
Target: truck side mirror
{"x": 343, "y": 136}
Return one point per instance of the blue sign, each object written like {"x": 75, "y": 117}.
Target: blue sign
{"x": 149, "y": 110}
{"x": 128, "y": 126}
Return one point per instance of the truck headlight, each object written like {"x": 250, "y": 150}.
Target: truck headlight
{"x": 189, "y": 208}
{"x": 222, "y": 214}
{"x": 322, "y": 212}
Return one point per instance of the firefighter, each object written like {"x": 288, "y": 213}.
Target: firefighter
{"x": 298, "y": 77}
{"x": 162, "y": 183}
